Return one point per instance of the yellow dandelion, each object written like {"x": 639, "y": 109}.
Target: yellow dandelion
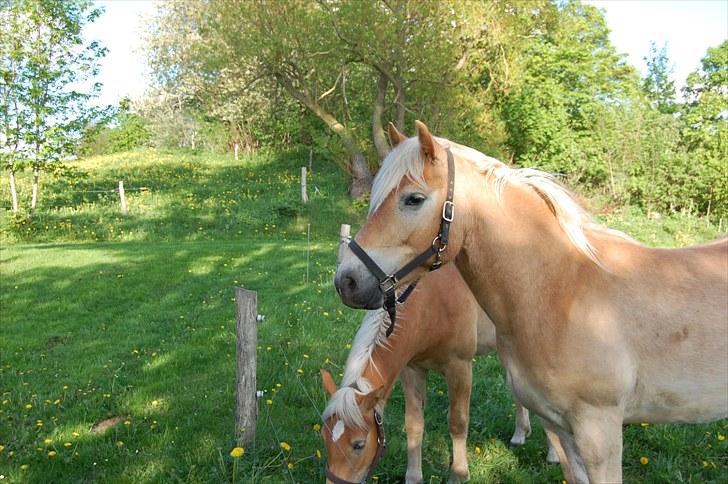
{"x": 348, "y": 346}
{"x": 75, "y": 434}
{"x": 299, "y": 371}
{"x": 290, "y": 465}
{"x": 119, "y": 444}
{"x": 268, "y": 348}
{"x": 305, "y": 355}
{"x": 269, "y": 402}
{"x": 318, "y": 454}
{"x": 285, "y": 446}
{"x": 57, "y": 402}
{"x": 237, "y": 452}
{"x": 155, "y": 403}
{"x": 721, "y": 437}
{"x": 67, "y": 445}
{"x": 52, "y": 453}
{"x": 316, "y": 427}
{"x": 28, "y": 406}
{"x": 477, "y": 450}
{"x": 48, "y": 441}
{"x": 2, "y": 447}
{"x": 127, "y": 422}
{"x": 24, "y": 467}
{"x": 6, "y": 401}
{"x": 645, "y": 424}
{"x": 644, "y": 460}
{"x": 278, "y": 385}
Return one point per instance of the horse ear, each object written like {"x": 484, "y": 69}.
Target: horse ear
{"x": 369, "y": 400}
{"x": 395, "y": 136}
{"x": 328, "y": 382}
{"x": 430, "y": 148}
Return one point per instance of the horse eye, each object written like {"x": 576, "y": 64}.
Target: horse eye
{"x": 414, "y": 200}
{"x": 359, "y": 444}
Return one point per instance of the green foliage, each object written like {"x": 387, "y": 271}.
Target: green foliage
{"x": 657, "y": 85}
{"x": 125, "y": 130}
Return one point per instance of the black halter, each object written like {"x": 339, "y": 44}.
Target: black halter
{"x": 388, "y": 282}
{"x": 381, "y": 447}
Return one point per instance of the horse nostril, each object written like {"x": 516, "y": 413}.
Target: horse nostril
{"x": 350, "y": 284}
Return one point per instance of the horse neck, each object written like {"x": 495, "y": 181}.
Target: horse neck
{"x": 387, "y": 361}
{"x": 513, "y": 248}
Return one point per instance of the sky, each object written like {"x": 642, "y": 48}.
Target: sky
{"x": 687, "y": 27}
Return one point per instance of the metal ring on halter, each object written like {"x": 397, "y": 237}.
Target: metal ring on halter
{"x": 440, "y": 246}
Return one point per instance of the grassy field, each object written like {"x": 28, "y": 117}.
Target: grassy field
{"x": 132, "y": 319}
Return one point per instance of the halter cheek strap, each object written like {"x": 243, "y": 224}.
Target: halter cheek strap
{"x": 388, "y": 282}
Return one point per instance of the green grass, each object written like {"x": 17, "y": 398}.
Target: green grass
{"x": 107, "y": 316}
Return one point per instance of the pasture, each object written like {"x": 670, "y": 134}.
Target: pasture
{"x": 132, "y": 319}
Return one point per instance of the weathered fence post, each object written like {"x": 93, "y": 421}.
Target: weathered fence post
{"x": 304, "y": 194}
{"x": 246, "y": 409}
{"x": 122, "y": 198}
{"x": 236, "y": 147}
{"x": 344, "y": 236}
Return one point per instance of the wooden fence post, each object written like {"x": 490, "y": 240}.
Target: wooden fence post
{"x": 246, "y": 405}
{"x": 304, "y": 194}
{"x": 122, "y": 198}
{"x": 236, "y": 147}
{"x": 344, "y": 236}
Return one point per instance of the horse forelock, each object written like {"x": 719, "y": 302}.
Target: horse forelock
{"x": 405, "y": 160}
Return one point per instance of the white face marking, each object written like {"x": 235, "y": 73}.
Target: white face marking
{"x": 338, "y": 430}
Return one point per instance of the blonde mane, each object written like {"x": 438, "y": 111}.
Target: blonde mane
{"x": 406, "y": 161}
{"x": 343, "y": 403}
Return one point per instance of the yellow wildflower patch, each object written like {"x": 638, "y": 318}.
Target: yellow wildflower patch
{"x": 237, "y": 452}
{"x": 285, "y": 446}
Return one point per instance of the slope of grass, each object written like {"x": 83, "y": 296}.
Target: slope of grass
{"x": 132, "y": 318}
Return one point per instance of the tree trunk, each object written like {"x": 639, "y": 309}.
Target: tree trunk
{"x": 361, "y": 176}
{"x": 378, "y": 135}
{"x": 34, "y": 199}
{"x": 13, "y": 191}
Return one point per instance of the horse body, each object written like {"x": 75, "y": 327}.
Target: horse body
{"x": 441, "y": 328}
{"x": 594, "y": 329}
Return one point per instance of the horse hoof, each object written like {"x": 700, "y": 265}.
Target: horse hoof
{"x": 458, "y": 478}
{"x": 516, "y": 441}
{"x": 552, "y": 457}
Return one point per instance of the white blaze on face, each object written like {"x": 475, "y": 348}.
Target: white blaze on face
{"x": 338, "y": 430}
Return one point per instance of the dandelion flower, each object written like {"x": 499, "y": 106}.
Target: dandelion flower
{"x": 318, "y": 454}
{"x": 28, "y": 406}
{"x": 645, "y": 424}
{"x": 48, "y": 441}
{"x": 316, "y": 427}
{"x": 269, "y": 402}
{"x": 299, "y": 371}
{"x": 120, "y": 444}
{"x": 278, "y": 385}
{"x": 644, "y": 460}
{"x": 285, "y": 446}
{"x": 305, "y": 356}
{"x": 67, "y": 445}
{"x": 721, "y": 437}
{"x": 127, "y": 422}
{"x": 290, "y": 465}
{"x": 75, "y": 434}
{"x": 24, "y": 467}
{"x": 477, "y": 450}
{"x": 237, "y": 452}
{"x": 2, "y": 447}
{"x": 52, "y": 453}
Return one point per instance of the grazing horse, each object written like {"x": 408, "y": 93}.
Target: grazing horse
{"x": 594, "y": 329}
{"x": 440, "y": 327}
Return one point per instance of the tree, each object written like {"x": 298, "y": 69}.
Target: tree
{"x": 657, "y": 85}
{"x": 48, "y": 62}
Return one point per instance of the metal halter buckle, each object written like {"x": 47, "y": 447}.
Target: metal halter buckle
{"x": 388, "y": 284}
{"x": 445, "y": 206}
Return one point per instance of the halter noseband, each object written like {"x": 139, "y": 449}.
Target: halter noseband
{"x": 381, "y": 447}
{"x": 388, "y": 282}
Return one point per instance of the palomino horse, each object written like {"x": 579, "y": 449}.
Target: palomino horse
{"x": 440, "y": 327}
{"x": 594, "y": 329}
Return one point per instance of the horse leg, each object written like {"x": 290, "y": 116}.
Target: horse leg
{"x": 413, "y": 385}
{"x": 459, "y": 376}
{"x": 598, "y": 437}
{"x": 523, "y": 426}
{"x": 564, "y": 446}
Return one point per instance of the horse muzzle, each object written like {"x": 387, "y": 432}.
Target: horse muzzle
{"x": 358, "y": 289}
